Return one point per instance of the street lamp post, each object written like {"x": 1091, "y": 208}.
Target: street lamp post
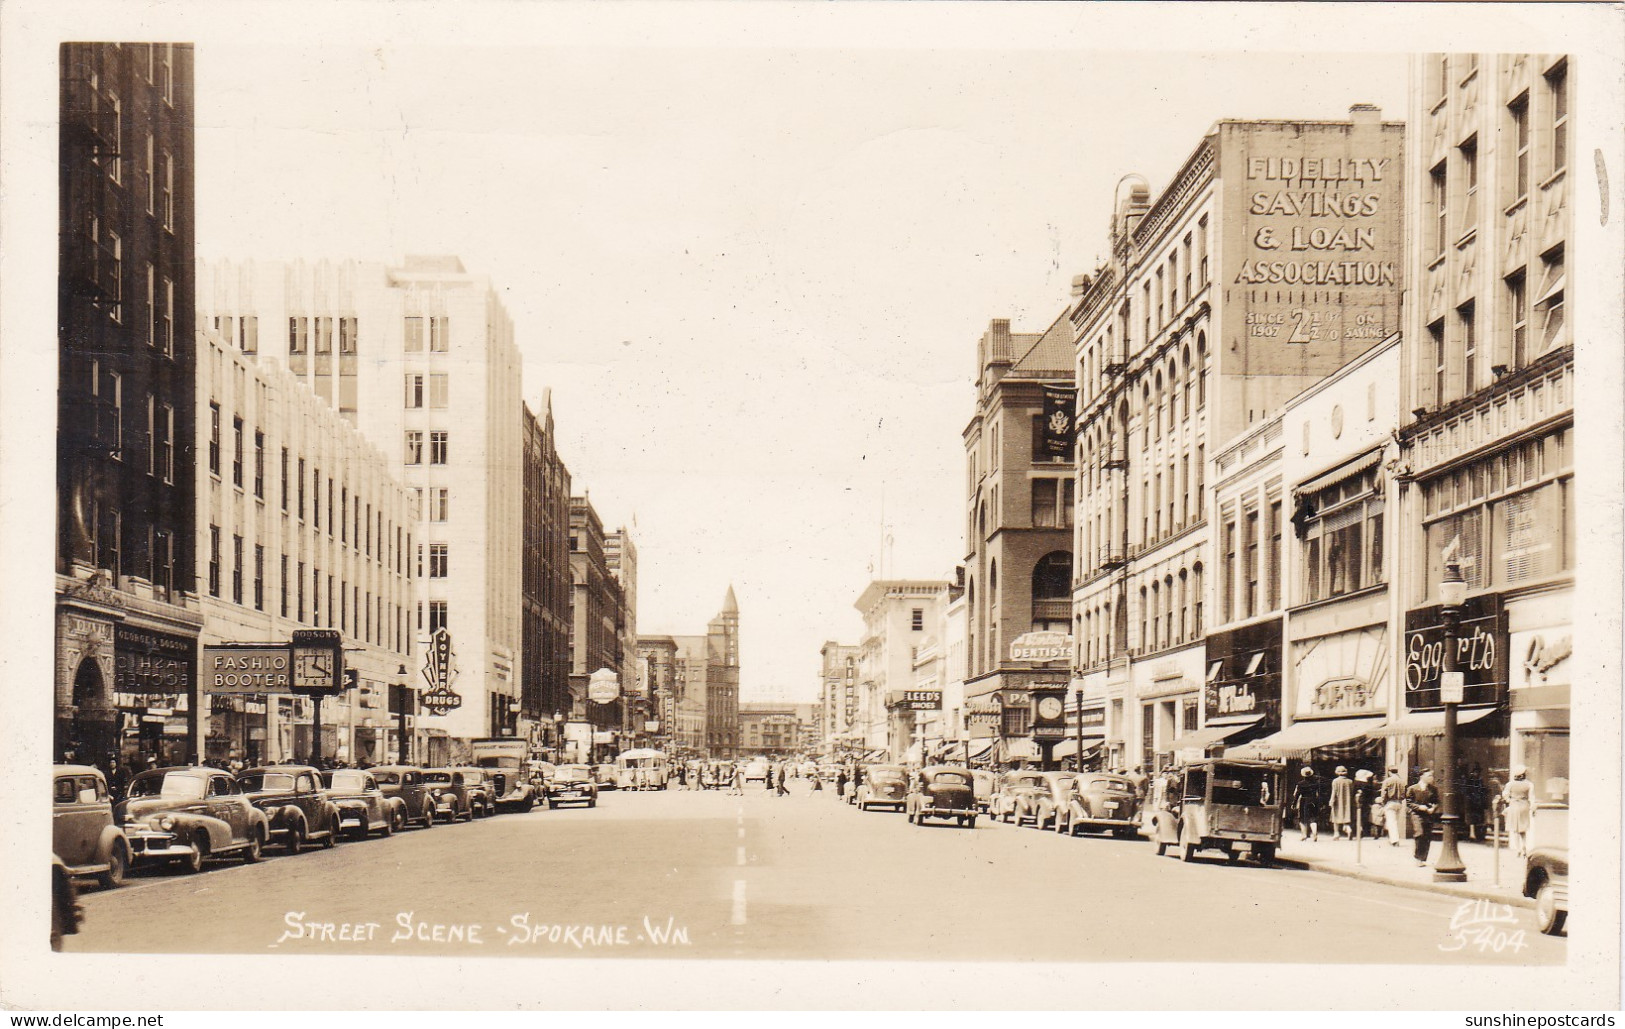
{"x": 1452, "y": 594}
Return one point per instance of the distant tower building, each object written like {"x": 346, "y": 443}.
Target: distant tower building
{"x": 545, "y": 635}
{"x": 127, "y": 616}
{"x": 421, "y": 356}
{"x": 722, "y": 680}
{"x": 621, "y": 558}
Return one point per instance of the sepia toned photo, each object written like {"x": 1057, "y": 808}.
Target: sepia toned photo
{"x": 718, "y": 504}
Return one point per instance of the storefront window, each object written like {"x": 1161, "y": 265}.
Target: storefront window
{"x": 1546, "y": 755}
{"x": 1343, "y": 538}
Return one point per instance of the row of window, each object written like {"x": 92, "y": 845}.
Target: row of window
{"x": 438, "y": 393}
{"x": 1250, "y": 581}
{"x": 107, "y": 403}
{"x": 438, "y": 444}
{"x": 1531, "y": 329}
{"x": 107, "y": 250}
{"x": 315, "y": 334}
{"x": 104, "y": 525}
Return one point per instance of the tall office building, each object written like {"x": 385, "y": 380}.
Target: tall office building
{"x": 1273, "y": 257}
{"x": 545, "y": 633}
{"x": 127, "y": 616}
{"x": 421, "y": 356}
{"x": 1487, "y": 380}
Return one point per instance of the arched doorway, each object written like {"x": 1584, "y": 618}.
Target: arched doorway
{"x": 92, "y": 733}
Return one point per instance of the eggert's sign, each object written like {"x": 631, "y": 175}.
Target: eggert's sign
{"x": 1313, "y": 248}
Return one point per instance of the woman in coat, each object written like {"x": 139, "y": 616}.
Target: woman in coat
{"x": 1343, "y": 804}
{"x": 1306, "y": 802}
{"x": 1518, "y": 796}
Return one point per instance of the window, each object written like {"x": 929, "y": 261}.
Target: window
{"x": 168, "y": 335}
{"x": 414, "y": 446}
{"x": 324, "y": 334}
{"x": 259, "y": 464}
{"x": 1518, "y": 316}
{"x": 344, "y": 514}
{"x": 167, "y": 191}
{"x": 1250, "y": 566}
{"x": 1187, "y": 290}
{"x": 152, "y": 176}
{"x": 1272, "y": 559}
{"x": 347, "y": 341}
{"x": 1227, "y": 590}
{"x": 329, "y": 506}
{"x": 1201, "y": 248}
{"x": 214, "y": 438}
{"x": 152, "y": 434}
{"x": 1549, "y": 306}
{"x": 439, "y": 390}
{"x": 301, "y": 492}
{"x": 298, "y": 335}
{"x": 248, "y": 327}
{"x": 1440, "y": 207}
{"x": 1436, "y": 338}
{"x": 439, "y": 504}
{"x": 282, "y": 584}
{"x": 1469, "y": 169}
{"x": 237, "y": 452}
{"x": 439, "y": 334}
{"x": 916, "y": 619}
{"x": 152, "y": 305}
{"x": 414, "y": 390}
{"x": 115, "y": 163}
{"x": 115, "y": 251}
{"x": 1557, "y": 83}
{"x": 168, "y": 426}
{"x": 236, "y": 569}
{"x": 167, "y": 79}
{"x": 1046, "y": 502}
{"x": 1519, "y": 110}
{"x": 214, "y": 560}
{"x": 1341, "y": 527}
{"x": 437, "y": 447}
{"x": 1469, "y": 349}
{"x": 437, "y": 616}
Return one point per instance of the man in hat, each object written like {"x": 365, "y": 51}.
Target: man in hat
{"x": 1343, "y": 804}
{"x": 1422, "y": 804}
{"x": 1367, "y": 815}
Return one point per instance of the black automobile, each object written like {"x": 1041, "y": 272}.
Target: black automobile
{"x": 942, "y": 791}
{"x": 572, "y": 784}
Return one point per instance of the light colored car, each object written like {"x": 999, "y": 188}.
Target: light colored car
{"x": 84, "y": 835}
{"x": 1546, "y": 869}
{"x": 451, "y": 794}
{"x": 1008, "y": 801}
{"x": 1044, "y": 804}
{"x": 185, "y": 815}
{"x": 883, "y": 786}
{"x": 407, "y": 784}
{"x": 756, "y": 770}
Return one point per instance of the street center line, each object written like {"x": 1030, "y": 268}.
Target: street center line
{"x": 741, "y": 832}
{"x": 738, "y": 916}
{"x": 741, "y": 855}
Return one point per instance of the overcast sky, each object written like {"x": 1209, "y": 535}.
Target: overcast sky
{"x": 753, "y": 279}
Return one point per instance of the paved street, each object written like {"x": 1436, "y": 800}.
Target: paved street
{"x": 801, "y": 877}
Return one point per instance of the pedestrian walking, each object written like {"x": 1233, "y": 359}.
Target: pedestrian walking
{"x": 1138, "y": 777}
{"x": 1393, "y": 805}
{"x": 738, "y": 780}
{"x": 1367, "y": 815}
{"x": 1518, "y": 796}
{"x": 782, "y": 791}
{"x": 840, "y": 782}
{"x": 1306, "y": 803}
{"x": 1342, "y": 804}
{"x": 1422, "y": 806}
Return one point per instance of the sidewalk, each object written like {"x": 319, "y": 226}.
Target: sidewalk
{"x": 1381, "y": 862}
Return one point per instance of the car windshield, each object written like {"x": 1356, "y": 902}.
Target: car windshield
{"x": 573, "y": 773}
{"x": 1108, "y": 784}
{"x": 342, "y": 779}
{"x": 174, "y": 785}
{"x": 950, "y": 779}
{"x": 265, "y": 782}
{"x": 1064, "y": 782}
{"x": 387, "y": 778}
{"x": 1243, "y": 786}
{"x": 1027, "y": 780}
{"x": 437, "y": 777}
{"x": 886, "y": 772}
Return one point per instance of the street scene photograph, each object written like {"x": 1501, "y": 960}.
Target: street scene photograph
{"x": 529, "y": 491}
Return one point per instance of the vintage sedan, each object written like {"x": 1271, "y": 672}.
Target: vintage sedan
{"x": 942, "y": 791}
{"x": 1044, "y": 805}
{"x": 408, "y": 784}
{"x": 1100, "y": 801}
{"x": 572, "y": 784}
{"x": 511, "y": 790}
{"x": 883, "y": 786}
{"x": 1546, "y": 869}
{"x": 480, "y": 790}
{"x": 185, "y": 815}
{"x": 1009, "y": 795}
{"x": 83, "y": 833}
{"x": 451, "y": 794}
{"x": 982, "y": 783}
{"x": 295, "y": 805}
{"x": 363, "y": 808}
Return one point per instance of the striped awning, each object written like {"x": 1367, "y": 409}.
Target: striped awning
{"x": 1299, "y": 738}
{"x": 1430, "y": 723}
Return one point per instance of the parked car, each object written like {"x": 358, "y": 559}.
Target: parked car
{"x": 1044, "y": 804}
{"x": 942, "y": 791}
{"x": 84, "y": 835}
{"x": 407, "y": 784}
{"x": 184, "y": 815}
{"x": 883, "y": 786}
{"x": 605, "y": 776}
{"x": 982, "y": 783}
{"x": 1007, "y": 803}
{"x": 510, "y": 790}
{"x": 572, "y": 784}
{"x": 66, "y": 912}
{"x": 480, "y": 790}
{"x": 1101, "y": 801}
{"x": 756, "y": 770}
{"x": 1546, "y": 869}
{"x": 363, "y": 808}
{"x": 450, "y": 793}
{"x": 296, "y": 808}
{"x": 1221, "y": 804}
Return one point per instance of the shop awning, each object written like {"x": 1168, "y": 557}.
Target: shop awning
{"x": 1069, "y": 746}
{"x": 1430, "y": 723}
{"x": 1201, "y": 739}
{"x": 1299, "y": 738}
{"x": 1020, "y": 749}
{"x": 979, "y": 748}
{"x": 1341, "y": 472}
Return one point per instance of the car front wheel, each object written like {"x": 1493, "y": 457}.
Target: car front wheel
{"x": 192, "y": 863}
{"x": 255, "y": 849}
{"x": 118, "y": 865}
{"x": 1549, "y": 918}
